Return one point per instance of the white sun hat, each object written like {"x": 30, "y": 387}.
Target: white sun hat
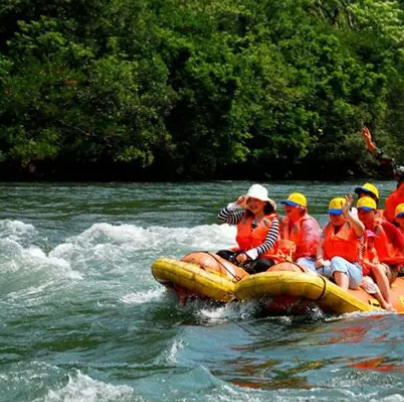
{"x": 260, "y": 193}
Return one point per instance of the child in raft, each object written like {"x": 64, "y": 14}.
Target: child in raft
{"x": 370, "y": 264}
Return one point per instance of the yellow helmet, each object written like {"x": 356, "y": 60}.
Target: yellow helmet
{"x": 399, "y": 212}
{"x": 368, "y": 188}
{"x": 336, "y": 205}
{"x": 366, "y": 203}
{"x": 295, "y": 199}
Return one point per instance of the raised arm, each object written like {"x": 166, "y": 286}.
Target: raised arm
{"x": 380, "y": 155}
{"x": 233, "y": 213}
{"x": 358, "y": 226}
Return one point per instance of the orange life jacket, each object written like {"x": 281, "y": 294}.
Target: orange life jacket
{"x": 371, "y": 257}
{"x": 395, "y": 198}
{"x": 247, "y": 238}
{"x": 345, "y": 243}
{"x": 306, "y": 242}
{"x": 382, "y": 244}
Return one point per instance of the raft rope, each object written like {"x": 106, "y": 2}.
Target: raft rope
{"x": 236, "y": 277}
{"x": 297, "y": 265}
{"x": 324, "y": 288}
{"x": 214, "y": 256}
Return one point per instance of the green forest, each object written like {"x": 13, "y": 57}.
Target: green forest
{"x": 199, "y": 89}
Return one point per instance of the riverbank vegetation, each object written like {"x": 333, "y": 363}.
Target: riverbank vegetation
{"x": 201, "y": 89}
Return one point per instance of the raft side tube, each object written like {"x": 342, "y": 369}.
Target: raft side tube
{"x": 328, "y": 296}
{"x": 190, "y": 276}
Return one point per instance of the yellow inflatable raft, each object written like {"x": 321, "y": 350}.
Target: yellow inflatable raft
{"x": 203, "y": 275}
{"x": 290, "y": 290}
{"x": 285, "y": 288}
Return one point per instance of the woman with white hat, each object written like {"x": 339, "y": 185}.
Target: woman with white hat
{"x": 257, "y": 230}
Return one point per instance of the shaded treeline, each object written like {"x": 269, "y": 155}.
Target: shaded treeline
{"x": 172, "y": 89}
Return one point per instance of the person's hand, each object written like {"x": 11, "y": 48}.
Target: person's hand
{"x": 242, "y": 258}
{"x": 349, "y": 202}
{"x": 322, "y": 263}
{"x": 242, "y": 201}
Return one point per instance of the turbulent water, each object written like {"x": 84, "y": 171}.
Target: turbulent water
{"x": 82, "y": 319}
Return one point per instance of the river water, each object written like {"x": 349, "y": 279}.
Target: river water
{"x": 83, "y": 320}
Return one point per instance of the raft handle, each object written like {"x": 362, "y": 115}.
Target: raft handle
{"x": 324, "y": 288}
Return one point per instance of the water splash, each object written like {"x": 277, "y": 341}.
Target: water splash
{"x": 82, "y": 388}
{"x": 17, "y": 230}
{"x": 228, "y": 312}
{"x": 156, "y": 238}
{"x": 143, "y": 297}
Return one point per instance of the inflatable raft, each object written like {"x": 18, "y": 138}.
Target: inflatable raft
{"x": 199, "y": 275}
{"x": 285, "y": 288}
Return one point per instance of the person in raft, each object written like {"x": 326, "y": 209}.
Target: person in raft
{"x": 369, "y": 190}
{"x": 341, "y": 249}
{"x": 300, "y": 232}
{"x": 257, "y": 230}
{"x": 397, "y": 266}
{"x": 389, "y": 242}
{"x": 372, "y": 268}
{"x": 399, "y": 217}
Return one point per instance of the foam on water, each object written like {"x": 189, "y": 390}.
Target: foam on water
{"x": 82, "y": 388}
{"x": 390, "y": 398}
{"x": 16, "y": 230}
{"x": 29, "y": 268}
{"x": 156, "y": 238}
{"x": 143, "y": 297}
{"x": 170, "y": 355}
{"x": 228, "y": 312}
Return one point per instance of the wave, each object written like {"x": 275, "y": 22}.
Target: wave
{"x": 82, "y": 388}
{"x": 155, "y": 238}
{"x": 143, "y": 297}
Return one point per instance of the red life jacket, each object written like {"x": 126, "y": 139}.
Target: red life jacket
{"x": 395, "y": 198}
{"x": 371, "y": 257}
{"x": 382, "y": 243}
{"x": 247, "y": 238}
{"x": 345, "y": 243}
{"x": 306, "y": 241}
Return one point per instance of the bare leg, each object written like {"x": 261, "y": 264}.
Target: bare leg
{"x": 383, "y": 303}
{"x": 341, "y": 279}
{"x": 382, "y": 281}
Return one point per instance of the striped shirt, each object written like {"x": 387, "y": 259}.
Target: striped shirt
{"x": 233, "y": 214}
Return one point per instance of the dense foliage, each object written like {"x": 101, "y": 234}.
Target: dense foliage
{"x": 168, "y": 89}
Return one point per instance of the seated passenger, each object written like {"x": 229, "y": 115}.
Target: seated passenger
{"x": 399, "y": 217}
{"x": 369, "y": 190}
{"x": 257, "y": 230}
{"x": 372, "y": 268}
{"x": 341, "y": 248}
{"x": 389, "y": 242}
{"x": 394, "y": 199}
{"x": 301, "y": 230}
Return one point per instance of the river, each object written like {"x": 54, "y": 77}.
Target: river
{"x": 83, "y": 320}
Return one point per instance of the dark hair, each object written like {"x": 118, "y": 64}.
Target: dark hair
{"x": 268, "y": 209}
